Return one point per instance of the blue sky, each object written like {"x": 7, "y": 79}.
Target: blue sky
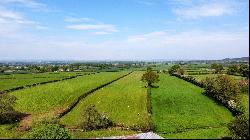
{"x": 123, "y": 29}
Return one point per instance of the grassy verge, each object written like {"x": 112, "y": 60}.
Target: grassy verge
{"x": 178, "y": 105}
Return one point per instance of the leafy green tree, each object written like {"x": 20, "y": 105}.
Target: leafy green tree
{"x": 244, "y": 70}
{"x": 239, "y": 127}
{"x": 232, "y": 69}
{"x": 222, "y": 87}
{"x": 180, "y": 71}
{"x": 173, "y": 69}
{"x": 217, "y": 67}
{"x": 150, "y": 77}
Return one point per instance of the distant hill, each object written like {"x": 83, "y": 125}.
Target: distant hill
{"x": 242, "y": 59}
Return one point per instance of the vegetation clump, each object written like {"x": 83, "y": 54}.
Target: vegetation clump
{"x": 150, "y": 77}
{"x": 173, "y": 69}
{"x": 223, "y": 89}
{"x": 7, "y": 112}
{"x": 92, "y": 120}
{"x": 217, "y": 67}
{"x": 239, "y": 127}
{"x": 48, "y": 131}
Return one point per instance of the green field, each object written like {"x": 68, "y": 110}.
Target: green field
{"x": 17, "y": 80}
{"x": 201, "y": 77}
{"x": 179, "y": 106}
{"x": 59, "y": 95}
{"x": 124, "y": 102}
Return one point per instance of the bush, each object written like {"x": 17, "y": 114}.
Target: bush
{"x": 223, "y": 89}
{"x": 244, "y": 86}
{"x": 92, "y": 120}
{"x": 239, "y": 127}
{"x": 48, "y": 131}
{"x": 7, "y": 112}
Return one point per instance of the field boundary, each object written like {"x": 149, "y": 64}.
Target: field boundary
{"x": 149, "y": 109}
{"x": 42, "y": 83}
{"x": 85, "y": 94}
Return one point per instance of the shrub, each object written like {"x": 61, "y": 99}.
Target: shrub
{"x": 150, "y": 77}
{"x": 7, "y": 112}
{"x": 92, "y": 120}
{"x": 48, "y": 131}
{"x": 173, "y": 69}
{"x": 239, "y": 127}
{"x": 244, "y": 86}
{"x": 223, "y": 89}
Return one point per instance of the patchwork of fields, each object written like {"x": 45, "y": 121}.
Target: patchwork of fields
{"x": 59, "y": 95}
{"x": 179, "y": 109}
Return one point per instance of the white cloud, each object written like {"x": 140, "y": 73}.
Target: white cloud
{"x": 101, "y": 33}
{"x": 191, "y": 10}
{"x": 73, "y": 19}
{"x": 7, "y": 14}
{"x": 27, "y": 3}
{"x": 100, "y": 29}
{"x": 212, "y": 10}
{"x": 154, "y": 45}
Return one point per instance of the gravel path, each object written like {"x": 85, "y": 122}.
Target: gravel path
{"x": 148, "y": 135}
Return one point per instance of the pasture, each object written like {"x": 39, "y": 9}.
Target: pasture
{"x": 17, "y": 80}
{"x": 180, "y": 107}
{"x": 58, "y": 96}
{"x": 124, "y": 102}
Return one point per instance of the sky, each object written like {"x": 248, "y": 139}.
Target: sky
{"x": 123, "y": 29}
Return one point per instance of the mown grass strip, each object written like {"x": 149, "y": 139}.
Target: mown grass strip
{"x": 85, "y": 94}
{"x": 58, "y": 96}
{"x": 178, "y": 105}
{"x": 124, "y": 102}
{"x": 19, "y": 81}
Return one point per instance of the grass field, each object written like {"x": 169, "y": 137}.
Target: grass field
{"x": 201, "y": 77}
{"x": 244, "y": 99}
{"x": 16, "y": 80}
{"x": 179, "y": 106}
{"x": 44, "y": 98}
{"x": 124, "y": 102}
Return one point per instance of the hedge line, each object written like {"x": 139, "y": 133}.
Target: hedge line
{"x": 41, "y": 83}
{"x": 236, "y": 111}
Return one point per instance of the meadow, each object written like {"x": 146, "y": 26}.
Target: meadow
{"x": 57, "y": 96}
{"x": 179, "y": 107}
{"x": 16, "y": 80}
{"x": 124, "y": 102}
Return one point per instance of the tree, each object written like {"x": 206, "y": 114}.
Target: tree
{"x": 232, "y": 69}
{"x": 173, "y": 69}
{"x": 150, "y": 77}
{"x": 217, "y": 67}
{"x": 244, "y": 70}
{"x": 180, "y": 71}
{"x": 239, "y": 127}
{"x": 222, "y": 87}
